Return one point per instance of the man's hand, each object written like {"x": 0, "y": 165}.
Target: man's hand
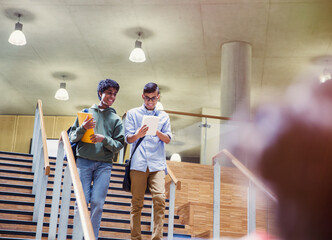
{"x": 96, "y": 138}
{"x": 141, "y": 132}
{"x": 163, "y": 137}
{"x": 88, "y": 123}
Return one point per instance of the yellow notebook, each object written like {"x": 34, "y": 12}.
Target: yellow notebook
{"x": 81, "y": 118}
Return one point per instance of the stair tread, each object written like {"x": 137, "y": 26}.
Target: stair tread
{"x": 31, "y": 233}
{"x": 117, "y": 220}
{"x": 18, "y": 171}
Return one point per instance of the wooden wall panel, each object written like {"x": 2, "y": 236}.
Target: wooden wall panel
{"x": 196, "y": 197}
{"x": 24, "y": 131}
{"x": 17, "y": 130}
{"x": 49, "y": 122}
{"x": 62, "y": 123}
{"x": 7, "y": 130}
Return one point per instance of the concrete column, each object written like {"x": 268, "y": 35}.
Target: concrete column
{"x": 235, "y": 99}
{"x": 235, "y": 88}
{"x": 235, "y": 78}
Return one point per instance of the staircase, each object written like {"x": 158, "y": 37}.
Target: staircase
{"x": 16, "y": 204}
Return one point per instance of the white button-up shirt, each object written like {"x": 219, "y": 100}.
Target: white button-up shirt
{"x": 151, "y": 151}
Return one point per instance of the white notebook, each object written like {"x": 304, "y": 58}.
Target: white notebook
{"x": 152, "y": 123}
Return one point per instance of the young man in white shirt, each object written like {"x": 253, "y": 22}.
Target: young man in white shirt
{"x": 148, "y": 164}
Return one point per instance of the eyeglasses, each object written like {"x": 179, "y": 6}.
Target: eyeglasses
{"x": 146, "y": 98}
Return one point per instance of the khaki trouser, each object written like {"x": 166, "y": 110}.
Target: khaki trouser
{"x": 156, "y": 183}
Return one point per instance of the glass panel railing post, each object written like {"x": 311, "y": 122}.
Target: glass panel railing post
{"x": 36, "y": 190}
{"x": 121, "y": 156}
{"x": 41, "y": 209}
{"x": 38, "y": 166}
{"x": 251, "y": 207}
{"x": 40, "y": 197}
{"x": 216, "y": 200}
{"x": 56, "y": 192}
{"x": 171, "y": 210}
{"x": 77, "y": 228}
{"x": 267, "y": 217}
{"x": 36, "y": 143}
{"x": 65, "y": 205}
{"x": 205, "y": 140}
{"x": 205, "y": 127}
{"x": 151, "y": 218}
{"x": 35, "y": 131}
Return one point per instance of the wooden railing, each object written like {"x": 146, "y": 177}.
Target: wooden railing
{"x": 40, "y": 167}
{"x": 82, "y": 223}
{"x": 251, "y": 192}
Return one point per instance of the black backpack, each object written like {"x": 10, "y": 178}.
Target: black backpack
{"x": 73, "y": 146}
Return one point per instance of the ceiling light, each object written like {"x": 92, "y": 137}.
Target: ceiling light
{"x": 326, "y": 75}
{"x": 62, "y": 93}
{"x": 17, "y": 37}
{"x": 176, "y": 157}
{"x": 137, "y": 55}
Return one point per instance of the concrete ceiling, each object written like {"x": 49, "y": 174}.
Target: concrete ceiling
{"x": 90, "y": 40}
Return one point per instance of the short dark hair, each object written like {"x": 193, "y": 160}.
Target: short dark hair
{"x": 105, "y": 84}
{"x": 150, "y": 88}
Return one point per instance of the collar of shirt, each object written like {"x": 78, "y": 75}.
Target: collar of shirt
{"x": 150, "y": 112}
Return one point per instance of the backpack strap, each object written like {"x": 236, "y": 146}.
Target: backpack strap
{"x": 138, "y": 143}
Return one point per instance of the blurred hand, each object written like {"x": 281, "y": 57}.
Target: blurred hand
{"x": 141, "y": 132}
{"x": 96, "y": 138}
{"x": 88, "y": 123}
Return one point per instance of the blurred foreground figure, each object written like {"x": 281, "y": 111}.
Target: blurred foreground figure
{"x": 289, "y": 145}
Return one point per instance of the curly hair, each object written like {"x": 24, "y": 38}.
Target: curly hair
{"x": 105, "y": 84}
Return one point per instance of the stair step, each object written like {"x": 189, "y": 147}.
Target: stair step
{"x": 11, "y": 159}
{"x": 70, "y": 226}
{"x": 125, "y": 195}
{"x": 16, "y": 179}
{"x": 10, "y": 238}
{"x": 17, "y": 170}
{"x": 52, "y": 169}
{"x": 32, "y": 234}
{"x": 47, "y": 205}
{"x": 71, "y": 216}
{"x": 28, "y": 195}
{"x": 10, "y": 178}
{"x": 113, "y": 220}
{"x": 15, "y": 165}
{"x": 16, "y": 154}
